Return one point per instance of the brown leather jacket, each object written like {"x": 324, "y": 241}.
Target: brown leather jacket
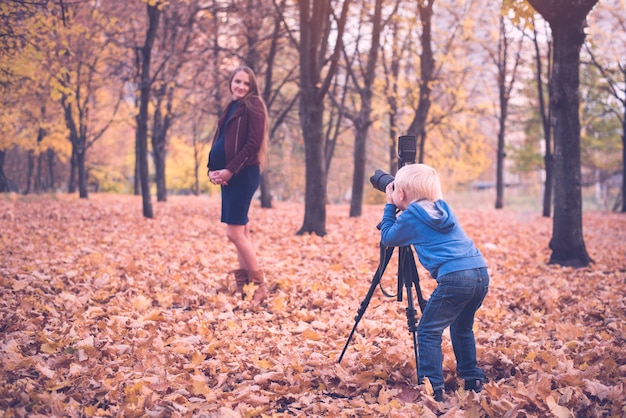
{"x": 244, "y": 134}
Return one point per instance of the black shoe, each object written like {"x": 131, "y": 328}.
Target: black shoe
{"x": 439, "y": 395}
{"x": 474, "y": 384}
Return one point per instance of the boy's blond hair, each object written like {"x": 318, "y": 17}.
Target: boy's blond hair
{"x": 419, "y": 181}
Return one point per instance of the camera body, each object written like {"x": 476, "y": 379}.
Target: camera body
{"x": 407, "y": 149}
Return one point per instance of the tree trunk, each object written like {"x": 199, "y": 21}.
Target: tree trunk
{"x": 364, "y": 119}
{"x": 158, "y": 153}
{"x": 78, "y": 140}
{"x": 567, "y": 20}
{"x": 82, "y": 173}
{"x": 159, "y": 173}
{"x": 311, "y": 114}
{"x": 40, "y": 186}
{"x": 196, "y": 159}
{"x": 137, "y": 177}
{"x": 31, "y": 170}
{"x": 358, "y": 177}
{"x": 71, "y": 184}
{"x": 4, "y": 184}
{"x": 266, "y": 185}
{"x": 506, "y": 80}
{"x": 427, "y": 68}
{"x": 547, "y": 126}
{"x": 314, "y": 31}
{"x": 144, "y": 98}
{"x": 266, "y": 195}
{"x": 502, "y": 55}
{"x": 160, "y": 128}
{"x": 50, "y": 155}
{"x": 624, "y": 155}
{"x": 37, "y": 184}
{"x": 392, "y": 74}
{"x": 500, "y": 156}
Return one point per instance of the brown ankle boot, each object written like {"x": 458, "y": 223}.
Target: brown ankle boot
{"x": 257, "y": 278}
{"x": 241, "y": 279}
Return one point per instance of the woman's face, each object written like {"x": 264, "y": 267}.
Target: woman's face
{"x": 240, "y": 85}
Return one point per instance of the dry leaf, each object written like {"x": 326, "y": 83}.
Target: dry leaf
{"x": 106, "y": 313}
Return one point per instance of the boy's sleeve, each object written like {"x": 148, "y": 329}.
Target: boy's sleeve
{"x": 394, "y": 232}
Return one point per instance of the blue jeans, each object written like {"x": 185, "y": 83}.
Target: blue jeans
{"x": 453, "y": 303}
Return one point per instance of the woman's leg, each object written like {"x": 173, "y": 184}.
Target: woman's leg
{"x": 240, "y": 236}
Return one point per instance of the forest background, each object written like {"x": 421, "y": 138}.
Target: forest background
{"x": 107, "y": 313}
{"x": 72, "y": 95}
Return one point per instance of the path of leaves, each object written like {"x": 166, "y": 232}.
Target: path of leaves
{"x": 106, "y": 313}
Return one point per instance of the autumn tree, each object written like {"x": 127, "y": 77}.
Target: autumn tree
{"x": 144, "y": 63}
{"x": 80, "y": 66}
{"x": 426, "y": 77}
{"x": 523, "y": 15}
{"x": 507, "y": 63}
{"x": 451, "y": 98}
{"x": 544, "y": 112}
{"x": 567, "y": 21}
{"x": 601, "y": 136}
{"x": 391, "y": 70}
{"x": 605, "y": 52}
{"x": 395, "y": 47}
{"x": 363, "y": 75}
{"x": 316, "y": 73}
{"x": 175, "y": 58}
{"x": 8, "y": 48}
{"x": 267, "y": 42}
{"x": 31, "y": 118}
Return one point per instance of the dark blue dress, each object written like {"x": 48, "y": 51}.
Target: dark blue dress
{"x": 237, "y": 195}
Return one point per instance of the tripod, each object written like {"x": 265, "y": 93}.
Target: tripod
{"x": 407, "y": 278}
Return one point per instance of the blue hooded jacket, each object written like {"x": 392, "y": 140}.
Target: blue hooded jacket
{"x": 440, "y": 243}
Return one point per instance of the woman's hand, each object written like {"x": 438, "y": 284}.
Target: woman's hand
{"x": 220, "y": 177}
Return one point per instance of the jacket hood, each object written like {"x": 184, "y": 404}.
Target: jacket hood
{"x": 437, "y": 215}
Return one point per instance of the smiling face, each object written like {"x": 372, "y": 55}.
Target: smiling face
{"x": 240, "y": 85}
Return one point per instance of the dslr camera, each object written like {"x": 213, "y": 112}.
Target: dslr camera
{"x": 407, "y": 148}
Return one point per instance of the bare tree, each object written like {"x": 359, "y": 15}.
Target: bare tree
{"x": 363, "y": 76}
{"x": 259, "y": 56}
{"x": 506, "y": 81}
{"x": 79, "y": 85}
{"x": 615, "y": 79}
{"x": 396, "y": 46}
{"x": 145, "y": 85}
{"x": 176, "y": 39}
{"x": 544, "y": 112}
{"x": 427, "y": 73}
{"x": 567, "y": 20}
{"x": 316, "y": 73}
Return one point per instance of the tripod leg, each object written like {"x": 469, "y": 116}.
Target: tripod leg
{"x": 385, "y": 256}
{"x": 411, "y": 318}
{"x": 407, "y": 276}
{"x": 408, "y": 270}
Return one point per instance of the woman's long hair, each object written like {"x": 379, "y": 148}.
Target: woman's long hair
{"x": 257, "y": 105}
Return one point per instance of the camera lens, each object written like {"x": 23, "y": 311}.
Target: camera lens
{"x": 381, "y": 179}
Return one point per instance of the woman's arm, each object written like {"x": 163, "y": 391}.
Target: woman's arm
{"x": 255, "y": 135}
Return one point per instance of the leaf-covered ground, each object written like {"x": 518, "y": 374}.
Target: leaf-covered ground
{"x": 106, "y": 313}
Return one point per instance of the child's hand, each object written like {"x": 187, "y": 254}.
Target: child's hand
{"x": 389, "y": 192}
